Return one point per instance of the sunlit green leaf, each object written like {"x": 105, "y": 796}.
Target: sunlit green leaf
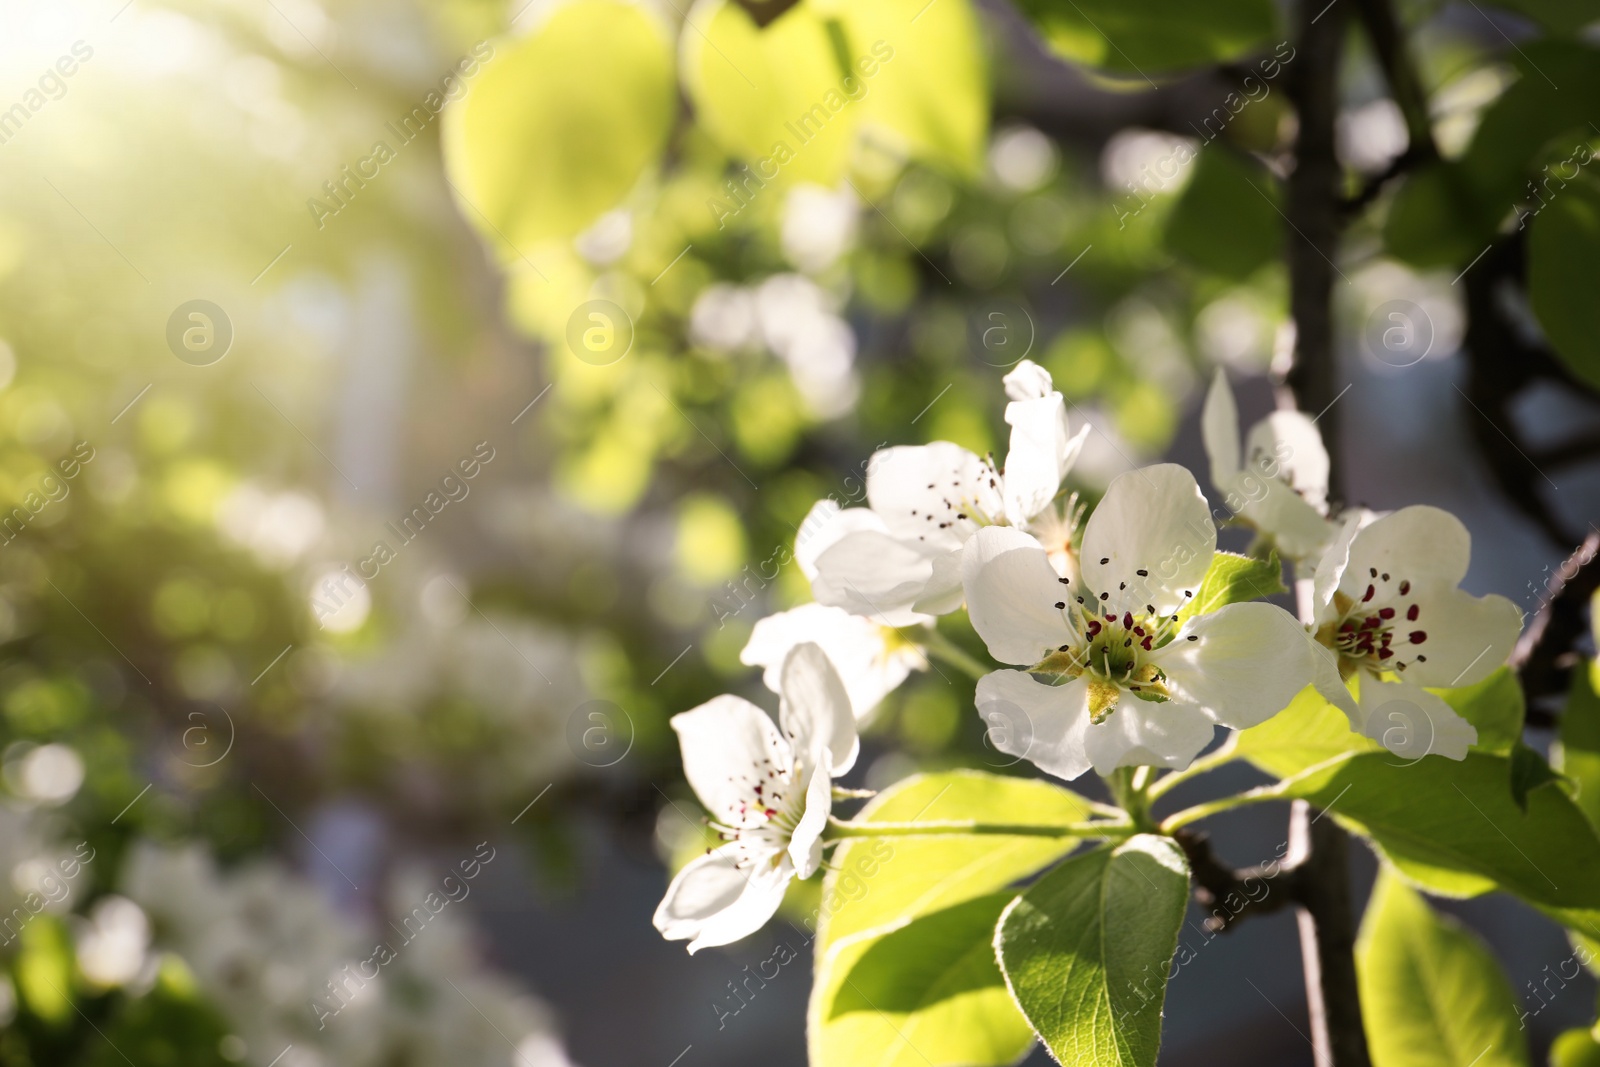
{"x": 878, "y": 885}
{"x": 1086, "y": 949}
{"x": 44, "y": 968}
{"x": 560, "y": 125}
{"x": 1432, "y": 995}
{"x": 1155, "y": 36}
{"x": 1454, "y": 827}
{"x": 1233, "y": 578}
{"x": 930, "y": 96}
{"x": 1575, "y": 1048}
{"x": 774, "y": 96}
{"x": 927, "y": 993}
{"x": 1494, "y": 706}
{"x": 1578, "y": 754}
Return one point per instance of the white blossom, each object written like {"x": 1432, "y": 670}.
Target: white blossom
{"x": 901, "y": 555}
{"x": 1279, "y": 484}
{"x": 1114, "y": 676}
{"x": 769, "y": 792}
{"x": 1390, "y": 608}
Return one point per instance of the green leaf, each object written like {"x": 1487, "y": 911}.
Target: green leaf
{"x": 1448, "y": 213}
{"x": 44, "y": 969}
{"x": 927, "y": 994}
{"x": 1578, "y": 753}
{"x": 774, "y": 96}
{"x": 1233, "y": 578}
{"x": 1575, "y": 1048}
{"x": 877, "y": 886}
{"x": 1432, "y": 994}
{"x": 561, "y": 124}
{"x": 1086, "y": 949}
{"x": 1494, "y": 706}
{"x": 1562, "y": 16}
{"x": 1454, "y": 828}
{"x": 930, "y": 98}
{"x": 882, "y": 882}
{"x": 1563, "y": 261}
{"x": 1226, "y": 221}
{"x": 1309, "y": 732}
{"x": 1154, "y": 36}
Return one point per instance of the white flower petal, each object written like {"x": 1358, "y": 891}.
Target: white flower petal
{"x": 1140, "y": 733}
{"x": 1153, "y": 519}
{"x": 867, "y": 665}
{"x": 1247, "y": 663}
{"x": 1012, "y": 593}
{"x": 1465, "y": 637}
{"x": 1325, "y": 676}
{"x": 815, "y": 710}
{"x": 824, "y": 526}
{"x": 1219, "y": 429}
{"x": 922, "y": 492}
{"x": 805, "y": 843}
{"x": 1036, "y": 462}
{"x": 1334, "y": 562}
{"x": 874, "y": 575}
{"x": 1296, "y": 527}
{"x": 1412, "y": 722}
{"x": 1286, "y": 447}
{"x": 1027, "y": 381}
{"x": 722, "y": 739}
{"x": 1420, "y": 544}
{"x": 943, "y": 593}
{"x": 1040, "y": 723}
{"x": 716, "y": 902}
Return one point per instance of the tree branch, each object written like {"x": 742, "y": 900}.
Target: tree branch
{"x": 1545, "y": 654}
{"x": 1229, "y": 894}
{"x": 1319, "y": 849}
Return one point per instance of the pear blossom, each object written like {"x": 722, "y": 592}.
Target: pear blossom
{"x": 872, "y": 660}
{"x": 769, "y": 792}
{"x": 901, "y": 555}
{"x": 1390, "y": 610}
{"x": 1115, "y": 674}
{"x": 1279, "y": 484}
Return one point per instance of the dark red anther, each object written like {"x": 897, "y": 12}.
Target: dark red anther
{"x": 1418, "y": 636}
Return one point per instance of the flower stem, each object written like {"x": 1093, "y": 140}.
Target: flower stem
{"x": 1214, "y": 807}
{"x": 945, "y": 649}
{"x": 838, "y": 829}
{"x": 1129, "y": 787}
{"x": 1223, "y": 755}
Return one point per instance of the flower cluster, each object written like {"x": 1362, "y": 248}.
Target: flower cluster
{"x": 1123, "y": 651}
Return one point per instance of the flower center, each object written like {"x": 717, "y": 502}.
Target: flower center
{"x": 1379, "y": 632}
{"x": 967, "y": 504}
{"x": 764, "y": 816}
{"x": 1112, "y": 650}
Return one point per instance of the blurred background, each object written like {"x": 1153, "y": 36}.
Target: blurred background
{"x": 342, "y": 577}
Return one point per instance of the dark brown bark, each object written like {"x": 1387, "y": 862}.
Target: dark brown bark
{"x": 1319, "y": 848}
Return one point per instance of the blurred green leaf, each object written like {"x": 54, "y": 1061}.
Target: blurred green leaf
{"x": 1561, "y": 16}
{"x": 1575, "y": 1048}
{"x": 1226, "y": 221}
{"x": 931, "y": 98}
{"x": 562, "y": 123}
{"x": 1563, "y": 262}
{"x": 774, "y": 96}
{"x": 1153, "y": 37}
{"x": 1432, "y": 995}
{"x": 44, "y": 968}
{"x": 927, "y": 993}
{"x": 1086, "y": 949}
